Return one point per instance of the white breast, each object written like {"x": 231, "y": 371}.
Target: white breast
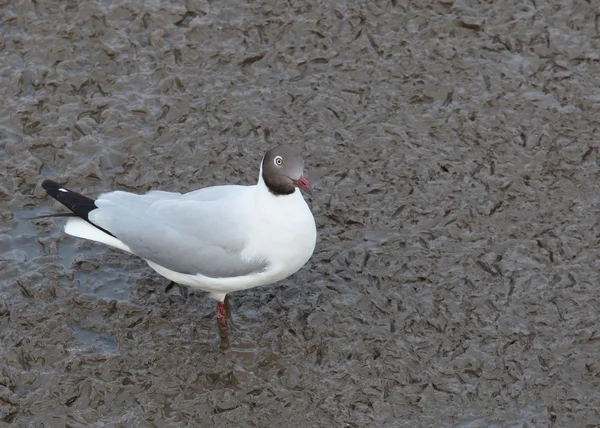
{"x": 285, "y": 234}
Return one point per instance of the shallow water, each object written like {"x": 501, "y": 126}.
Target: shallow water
{"x": 453, "y": 149}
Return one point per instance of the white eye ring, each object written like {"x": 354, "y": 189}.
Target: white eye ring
{"x": 278, "y": 160}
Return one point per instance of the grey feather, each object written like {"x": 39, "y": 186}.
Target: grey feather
{"x": 190, "y": 234}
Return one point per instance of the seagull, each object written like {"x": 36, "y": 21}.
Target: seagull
{"x": 217, "y": 239}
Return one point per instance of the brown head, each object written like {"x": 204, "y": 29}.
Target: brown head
{"x": 282, "y": 171}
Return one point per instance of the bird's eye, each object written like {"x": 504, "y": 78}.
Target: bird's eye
{"x": 278, "y": 160}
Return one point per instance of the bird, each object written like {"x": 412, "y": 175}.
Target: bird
{"x": 218, "y": 239}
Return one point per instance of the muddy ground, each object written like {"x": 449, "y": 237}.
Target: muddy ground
{"x": 453, "y": 146}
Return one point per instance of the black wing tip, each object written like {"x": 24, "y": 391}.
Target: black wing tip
{"x": 77, "y": 203}
{"x": 80, "y": 205}
{"x": 49, "y": 184}
{"x": 52, "y": 187}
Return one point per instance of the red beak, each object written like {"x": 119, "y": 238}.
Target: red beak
{"x": 303, "y": 184}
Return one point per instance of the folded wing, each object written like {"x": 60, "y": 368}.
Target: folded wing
{"x": 181, "y": 233}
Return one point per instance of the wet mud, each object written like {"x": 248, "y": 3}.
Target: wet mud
{"x": 453, "y": 147}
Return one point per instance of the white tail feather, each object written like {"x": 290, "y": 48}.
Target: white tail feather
{"x": 82, "y": 229}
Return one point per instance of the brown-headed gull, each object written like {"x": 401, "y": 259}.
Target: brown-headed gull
{"x": 218, "y": 239}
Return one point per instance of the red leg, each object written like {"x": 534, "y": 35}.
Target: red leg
{"x": 223, "y": 318}
{"x": 221, "y": 313}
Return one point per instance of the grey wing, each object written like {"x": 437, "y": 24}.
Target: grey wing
{"x": 190, "y": 237}
{"x": 216, "y": 193}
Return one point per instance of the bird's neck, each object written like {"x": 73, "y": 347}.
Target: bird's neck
{"x": 264, "y": 194}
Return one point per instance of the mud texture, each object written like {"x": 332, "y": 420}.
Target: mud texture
{"x": 453, "y": 147}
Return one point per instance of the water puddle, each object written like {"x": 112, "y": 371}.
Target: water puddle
{"x": 20, "y": 244}
{"x": 97, "y": 343}
{"x": 101, "y": 273}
